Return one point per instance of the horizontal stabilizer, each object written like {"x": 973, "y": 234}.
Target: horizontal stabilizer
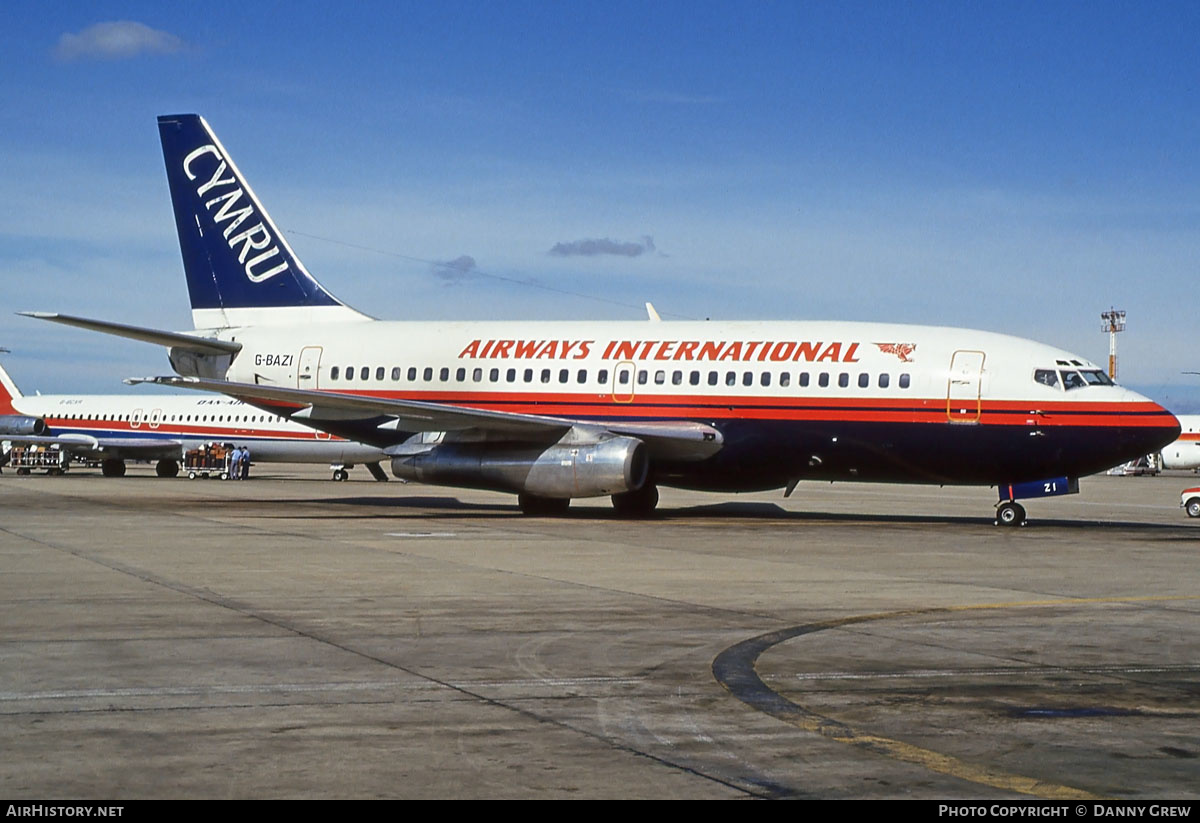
{"x": 172, "y": 339}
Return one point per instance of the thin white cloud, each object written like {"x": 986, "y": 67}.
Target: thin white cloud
{"x": 116, "y": 40}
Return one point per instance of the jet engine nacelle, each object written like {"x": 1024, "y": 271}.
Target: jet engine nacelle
{"x": 21, "y": 424}
{"x": 608, "y": 466}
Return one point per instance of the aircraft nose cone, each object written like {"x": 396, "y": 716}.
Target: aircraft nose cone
{"x": 1148, "y": 426}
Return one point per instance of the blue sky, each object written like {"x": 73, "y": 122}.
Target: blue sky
{"x": 1017, "y": 167}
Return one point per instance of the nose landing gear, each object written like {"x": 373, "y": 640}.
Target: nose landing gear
{"x": 1010, "y": 513}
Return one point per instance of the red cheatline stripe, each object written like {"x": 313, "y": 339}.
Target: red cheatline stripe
{"x": 727, "y": 407}
{"x": 730, "y": 407}
{"x": 738, "y": 400}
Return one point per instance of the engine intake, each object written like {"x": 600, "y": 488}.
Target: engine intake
{"x": 21, "y": 424}
{"x": 567, "y": 469}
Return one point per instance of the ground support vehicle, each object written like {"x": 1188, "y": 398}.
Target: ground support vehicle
{"x": 1189, "y": 501}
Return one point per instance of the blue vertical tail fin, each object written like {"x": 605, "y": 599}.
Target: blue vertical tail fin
{"x": 240, "y": 270}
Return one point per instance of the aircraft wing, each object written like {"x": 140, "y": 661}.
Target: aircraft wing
{"x": 679, "y": 440}
{"x": 121, "y": 448}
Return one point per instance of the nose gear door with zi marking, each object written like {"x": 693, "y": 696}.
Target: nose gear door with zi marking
{"x": 964, "y": 387}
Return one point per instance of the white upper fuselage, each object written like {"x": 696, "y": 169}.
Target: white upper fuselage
{"x": 745, "y": 360}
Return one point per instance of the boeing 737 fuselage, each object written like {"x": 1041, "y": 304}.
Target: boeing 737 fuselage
{"x": 553, "y": 411}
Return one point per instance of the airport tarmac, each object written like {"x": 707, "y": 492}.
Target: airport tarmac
{"x": 293, "y": 637}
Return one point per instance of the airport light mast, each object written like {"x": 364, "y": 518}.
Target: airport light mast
{"x": 1114, "y": 321}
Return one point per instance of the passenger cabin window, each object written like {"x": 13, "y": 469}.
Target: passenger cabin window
{"x": 334, "y": 372}
{"x": 904, "y": 381}
{"x": 396, "y": 373}
{"x": 412, "y": 373}
{"x": 379, "y": 373}
{"x": 365, "y": 374}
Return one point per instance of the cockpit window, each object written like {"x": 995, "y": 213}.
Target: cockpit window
{"x": 1097, "y": 378}
{"x": 1047, "y": 377}
{"x": 1072, "y": 380}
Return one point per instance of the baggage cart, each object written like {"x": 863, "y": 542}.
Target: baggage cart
{"x": 209, "y": 460}
{"x": 26, "y": 459}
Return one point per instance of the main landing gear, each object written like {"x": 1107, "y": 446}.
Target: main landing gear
{"x": 633, "y": 504}
{"x": 167, "y": 468}
{"x": 636, "y": 503}
{"x": 112, "y": 468}
{"x": 537, "y": 506}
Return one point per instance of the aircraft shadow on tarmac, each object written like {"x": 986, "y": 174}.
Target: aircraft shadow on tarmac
{"x": 756, "y": 511}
